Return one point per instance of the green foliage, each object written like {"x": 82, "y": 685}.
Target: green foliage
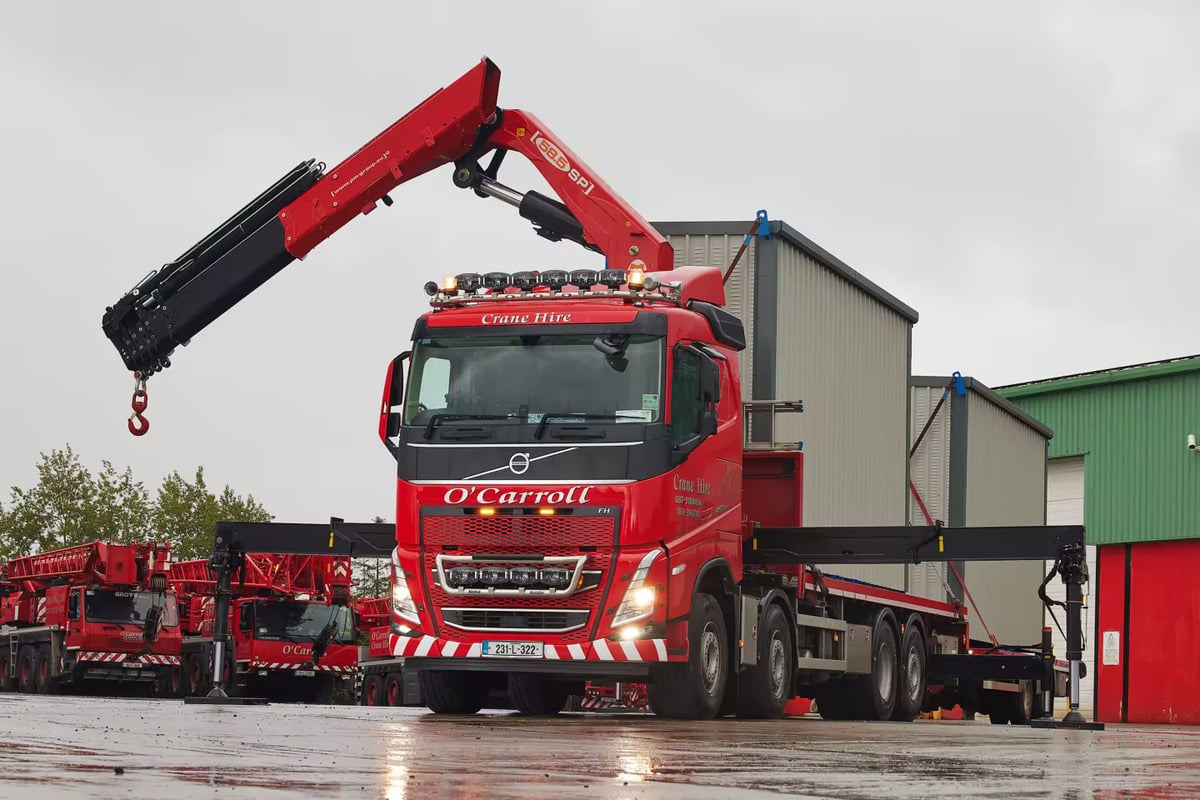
{"x": 187, "y": 513}
{"x": 371, "y": 577}
{"x": 70, "y": 505}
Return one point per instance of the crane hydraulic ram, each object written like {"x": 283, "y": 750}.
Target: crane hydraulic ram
{"x": 458, "y": 124}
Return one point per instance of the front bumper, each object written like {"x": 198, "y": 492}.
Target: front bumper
{"x": 599, "y": 650}
{"x": 126, "y": 658}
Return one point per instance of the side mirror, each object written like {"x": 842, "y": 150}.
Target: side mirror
{"x": 391, "y": 411}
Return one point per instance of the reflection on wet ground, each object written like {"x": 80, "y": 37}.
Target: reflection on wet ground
{"x": 119, "y": 748}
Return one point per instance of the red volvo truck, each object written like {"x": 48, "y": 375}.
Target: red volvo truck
{"x": 95, "y": 612}
{"x": 282, "y": 605}
{"x": 576, "y": 500}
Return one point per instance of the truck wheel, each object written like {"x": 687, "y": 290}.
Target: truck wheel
{"x": 765, "y": 688}
{"x": 831, "y": 697}
{"x": 27, "y": 669}
{"x": 372, "y": 690}
{"x": 46, "y": 679}
{"x": 6, "y": 683}
{"x": 196, "y": 676}
{"x": 911, "y": 690}
{"x": 170, "y": 682}
{"x": 1020, "y": 704}
{"x": 452, "y": 692}
{"x": 322, "y": 690}
{"x": 393, "y": 689}
{"x": 696, "y": 688}
{"x": 536, "y": 696}
{"x": 874, "y": 697}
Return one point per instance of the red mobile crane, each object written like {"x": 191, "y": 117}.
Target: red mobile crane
{"x": 282, "y": 605}
{"x": 95, "y": 611}
{"x": 575, "y": 497}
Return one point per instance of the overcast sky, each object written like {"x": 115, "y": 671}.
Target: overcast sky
{"x": 1026, "y": 177}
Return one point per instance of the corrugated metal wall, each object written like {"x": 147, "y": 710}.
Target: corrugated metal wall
{"x": 718, "y": 250}
{"x": 930, "y": 474}
{"x": 845, "y": 355}
{"x": 1143, "y": 483}
{"x": 1005, "y": 485}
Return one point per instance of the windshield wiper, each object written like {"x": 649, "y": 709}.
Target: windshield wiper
{"x": 541, "y": 428}
{"x": 436, "y": 418}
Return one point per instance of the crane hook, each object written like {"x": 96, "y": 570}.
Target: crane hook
{"x": 138, "y": 424}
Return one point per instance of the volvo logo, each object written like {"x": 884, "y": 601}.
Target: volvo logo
{"x": 518, "y": 464}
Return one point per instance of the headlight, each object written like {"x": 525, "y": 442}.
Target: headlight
{"x": 639, "y": 598}
{"x": 403, "y": 604}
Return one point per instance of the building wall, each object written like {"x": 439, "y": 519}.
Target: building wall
{"x": 1143, "y": 484}
{"x": 846, "y": 356}
{"x": 1005, "y": 485}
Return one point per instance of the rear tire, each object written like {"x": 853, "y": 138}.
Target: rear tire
{"x": 6, "y": 682}
{"x": 765, "y": 688}
{"x": 1020, "y": 704}
{"x": 393, "y": 689}
{"x": 536, "y": 696}
{"x": 47, "y": 682}
{"x": 832, "y": 701}
{"x": 452, "y": 692}
{"x": 874, "y": 697}
{"x": 27, "y": 669}
{"x": 695, "y": 689}
{"x": 372, "y": 691}
{"x": 910, "y": 695}
{"x": 196, "y": 676}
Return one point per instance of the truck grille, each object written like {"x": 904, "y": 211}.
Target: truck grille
{"x": 516, "y": 620}
{"x": 518, "y": 533}
{"x": 571, "y": 615}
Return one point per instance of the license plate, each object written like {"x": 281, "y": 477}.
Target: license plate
{"x": 306, "y": 673}
{"x": 513, "y": 649}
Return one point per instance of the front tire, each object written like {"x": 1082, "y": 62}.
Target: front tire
{"x": 696, "y": 688}
{"x": 372, "y": 691}
{"x": 451, "y": 692}
{"x": 535, "y": 696}
{"x": 765, "y": 688}
{"x": 46, "y": 681}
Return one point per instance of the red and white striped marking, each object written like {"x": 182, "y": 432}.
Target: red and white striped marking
{"x": 117, "y": 658}
{"x": 598, "y": 650}
{"x": 40, "y": 610}
{"x": 279, "y": 665}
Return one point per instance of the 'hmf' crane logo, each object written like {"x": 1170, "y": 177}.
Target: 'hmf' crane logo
{"x": 554, "y": 154}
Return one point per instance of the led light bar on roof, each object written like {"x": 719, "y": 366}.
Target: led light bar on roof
{"x": 471, "y": 287}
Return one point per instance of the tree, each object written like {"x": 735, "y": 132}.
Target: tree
{"x": 371, "y": 577}
{"x": 69, "y": 505}
{"x": 186, "y": 513}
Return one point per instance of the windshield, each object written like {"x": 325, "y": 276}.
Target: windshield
{"x": 301, "y": 622}
{"x": 522, "y": 378}
{"x": 114, "y": 605}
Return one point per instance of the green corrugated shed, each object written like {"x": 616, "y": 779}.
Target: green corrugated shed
{"x": 1130, "y": 424}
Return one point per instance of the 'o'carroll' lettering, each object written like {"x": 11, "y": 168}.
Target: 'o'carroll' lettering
{"x": 495, "y": 495}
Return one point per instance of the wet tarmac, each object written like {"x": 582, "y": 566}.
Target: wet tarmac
{"x": 61, "y": 747}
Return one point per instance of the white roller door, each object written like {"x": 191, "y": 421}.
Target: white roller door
{"x": 1064, "y": 506}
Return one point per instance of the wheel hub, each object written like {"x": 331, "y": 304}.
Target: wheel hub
{"x": 710, "y": 657}
{"x": 778, "y": 662}
{"x": 915, "y": 679}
